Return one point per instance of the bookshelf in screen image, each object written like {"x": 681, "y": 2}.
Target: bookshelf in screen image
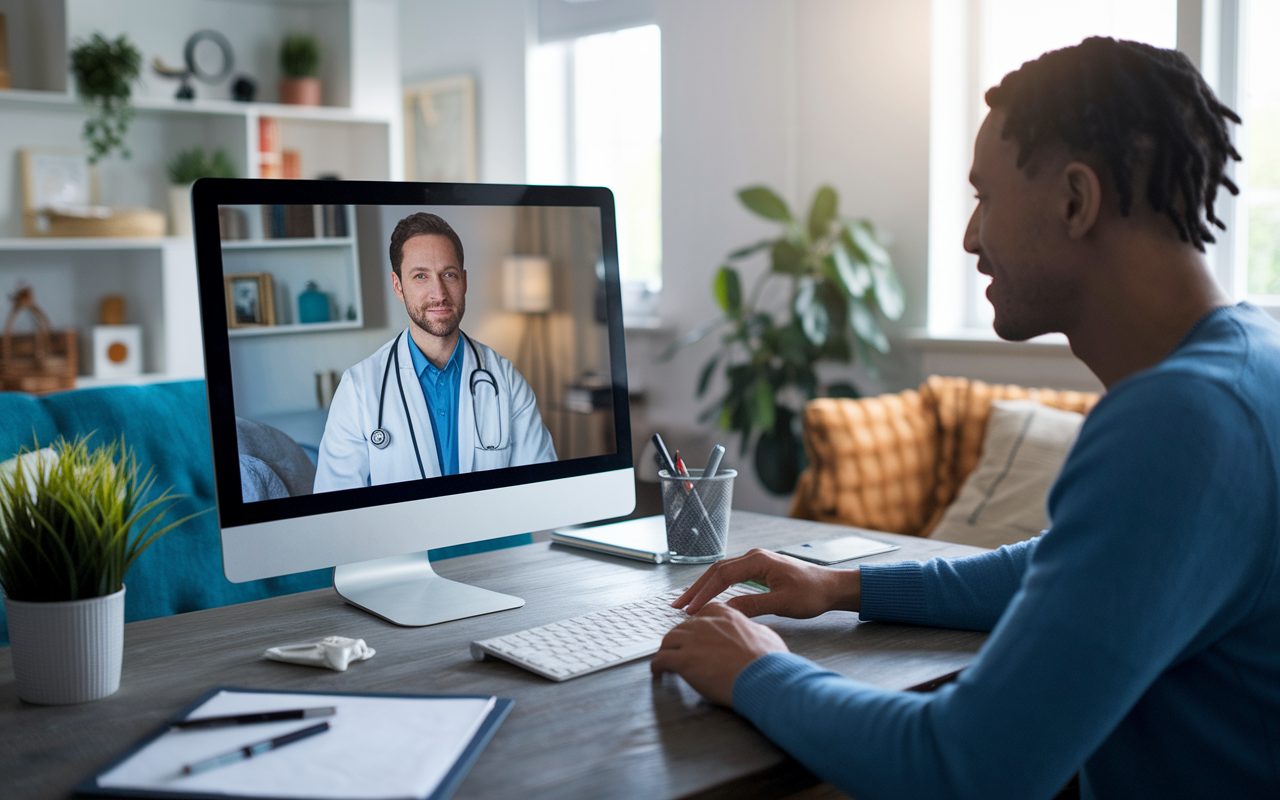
{"x": 310, "y": 255}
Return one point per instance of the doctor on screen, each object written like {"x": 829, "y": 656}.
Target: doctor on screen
{"x": 432, "y": 401}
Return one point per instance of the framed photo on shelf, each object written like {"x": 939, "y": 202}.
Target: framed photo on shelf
{"x": 250, "y": 300}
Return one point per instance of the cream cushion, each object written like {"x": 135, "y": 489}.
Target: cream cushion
{"x": 1003, "y": 499}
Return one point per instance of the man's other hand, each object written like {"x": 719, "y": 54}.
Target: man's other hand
{"x": 710, "y": 650}
{"x": 796, "y": 589}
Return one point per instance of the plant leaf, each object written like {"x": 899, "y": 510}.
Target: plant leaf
{"x": 889, "y": 294}
{"x": 814, "y": 319}
{"x": 865, "y": 237}
{"x": 728, "y": 290}
{"x": 763, "y": 201}
{"x": 690, "y": 337}
{"x": 822, "y": 212}
{"x": 787, "y": 257}
{"x": 779, "y": 456}
{"x": 705, "y": 378}
{"x": 866, "y": 328}
{"x": 765, "y": 409}
{"x": 743, "y": 252}
{"x": 855, "y": 276}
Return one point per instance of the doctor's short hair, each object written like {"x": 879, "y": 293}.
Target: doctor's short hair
{"x": 1136, "y": 108}
{"x": 421, "y": 224}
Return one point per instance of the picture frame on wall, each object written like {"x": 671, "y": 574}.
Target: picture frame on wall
{"x": 250, "y": 300}
{"x": 440, "y": 130}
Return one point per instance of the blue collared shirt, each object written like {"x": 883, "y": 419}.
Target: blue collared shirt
{"x": 441, "y": 387}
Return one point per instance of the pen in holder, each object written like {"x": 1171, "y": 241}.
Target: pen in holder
{"x": 697, "y": 517}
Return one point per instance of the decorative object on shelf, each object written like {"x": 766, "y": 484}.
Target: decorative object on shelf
{"x": 269, "y": 157}
{"x": 290, "y": 165}
{"x": 185, "y": 169}
{"x": 233, "y": 223}
{"x": 440, "y": 130}
{"x": 5, "y": 82}
{"x": 39, "y": 362}
{"x": 207, "y": 56}
{"x": 250, "y": 300}
{"x": 111, "y": 310}
{"x": 104, "y": 72}
{"x": 313, "y": 305}
{"x": 300, "y": 65}
{"x": 59, "y": 188}
{"x": 117, "y": 351}
{"x": 839, "y": 275}
{"x": 72, "y": 522}
{"x": 244, "y": 89}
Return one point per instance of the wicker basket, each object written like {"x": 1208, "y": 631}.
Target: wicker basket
{"x": 40, "y": 362}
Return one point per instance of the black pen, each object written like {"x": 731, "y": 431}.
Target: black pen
{"x": 254, "y": 718}
{"x": 256, "y": 749}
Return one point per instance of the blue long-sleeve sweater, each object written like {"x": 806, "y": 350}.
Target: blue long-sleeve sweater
{"x": 1137, "y": 641}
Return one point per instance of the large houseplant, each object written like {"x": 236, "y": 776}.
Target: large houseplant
{"x": 105, "y": 71}
{"x": 837, "y": 277}
{"x": 72, "y": 522}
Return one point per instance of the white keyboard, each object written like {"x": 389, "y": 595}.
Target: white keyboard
{"x": 595, "y": 641}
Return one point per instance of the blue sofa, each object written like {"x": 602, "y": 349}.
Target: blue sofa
{"x": 167, "y": 426}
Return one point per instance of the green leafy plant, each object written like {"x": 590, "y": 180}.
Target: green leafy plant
{"x": 838, "y": 277}
{"x": 191, "y": 165}
{"x": 300, "y": 56}
{"x": 104, "y": 72}
{"x": 68, "y": 516}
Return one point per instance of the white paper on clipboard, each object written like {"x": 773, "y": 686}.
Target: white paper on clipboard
{"x": 377, "y": 747}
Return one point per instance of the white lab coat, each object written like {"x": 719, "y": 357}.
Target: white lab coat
{"x": 349, "y": 460}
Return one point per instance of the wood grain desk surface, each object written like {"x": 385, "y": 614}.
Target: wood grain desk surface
{"x": 615, "y": 733}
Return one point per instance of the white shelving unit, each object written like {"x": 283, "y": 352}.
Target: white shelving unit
{"x": 357, "y": 137}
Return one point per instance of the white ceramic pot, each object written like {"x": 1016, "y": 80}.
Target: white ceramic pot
{"x": 180, "y": 210}
{"x": 66, "y": 652}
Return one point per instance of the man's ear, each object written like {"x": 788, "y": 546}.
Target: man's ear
{"x": 395, "y": 285}
{"x": 1082, "y": 198}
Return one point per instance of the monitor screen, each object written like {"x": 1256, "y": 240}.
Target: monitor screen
{"x": 419, "y": 347}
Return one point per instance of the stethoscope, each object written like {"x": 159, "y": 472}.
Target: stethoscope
{"x": 480, "y": 376}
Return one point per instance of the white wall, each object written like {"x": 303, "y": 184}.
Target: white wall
{"x": 485, "y": 39}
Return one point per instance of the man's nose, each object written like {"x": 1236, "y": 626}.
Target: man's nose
{"x": 971, "y": 234}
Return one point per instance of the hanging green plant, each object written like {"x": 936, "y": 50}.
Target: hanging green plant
{"x": 839, "y": 277}
{"x": 105, "y": 71}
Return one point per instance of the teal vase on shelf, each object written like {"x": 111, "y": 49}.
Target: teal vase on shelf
{"x": 313, "y": 305}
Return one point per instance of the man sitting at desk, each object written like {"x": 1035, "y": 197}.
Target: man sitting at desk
{"x": 1138, "y": 640}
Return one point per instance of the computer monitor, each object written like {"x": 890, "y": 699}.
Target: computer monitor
{"x": 362, "y": 415}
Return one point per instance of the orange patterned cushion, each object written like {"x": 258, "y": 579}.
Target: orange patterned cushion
{"x": 895, "y": 462}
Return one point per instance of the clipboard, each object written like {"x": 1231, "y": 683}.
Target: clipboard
{"x": 90, "y": 787}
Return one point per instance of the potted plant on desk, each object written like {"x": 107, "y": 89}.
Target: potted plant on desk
{"x": 66, "y": 518}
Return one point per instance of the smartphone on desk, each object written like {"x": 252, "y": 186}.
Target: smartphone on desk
{"x": 833, "y": 551}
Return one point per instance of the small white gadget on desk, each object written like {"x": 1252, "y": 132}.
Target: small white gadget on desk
{"x": 644, "y": 539}
{"x": 592, "y": 642}
{"x": 833, "y": 551}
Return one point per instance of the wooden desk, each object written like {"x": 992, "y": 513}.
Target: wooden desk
{"x": 616, "y": 733}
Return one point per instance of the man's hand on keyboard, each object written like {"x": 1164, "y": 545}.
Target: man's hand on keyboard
{"x": 711, "y": 649}
{"x": 796, "y": 589}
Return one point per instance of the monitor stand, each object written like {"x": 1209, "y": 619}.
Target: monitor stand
{"x": 405, "y": 590}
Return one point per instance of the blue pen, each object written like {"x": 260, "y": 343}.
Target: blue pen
{"x": 251, "y": 750}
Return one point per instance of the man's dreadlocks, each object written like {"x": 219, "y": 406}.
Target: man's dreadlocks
{"x": 1135, "y": 106}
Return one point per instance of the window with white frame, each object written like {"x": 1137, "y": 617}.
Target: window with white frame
{"x": 594, "y": 118}
{"x": 1258, "y": 207}
{"x": 975, "y": 44}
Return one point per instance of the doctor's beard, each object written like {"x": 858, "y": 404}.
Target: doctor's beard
{"x": 438, "y": 326}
